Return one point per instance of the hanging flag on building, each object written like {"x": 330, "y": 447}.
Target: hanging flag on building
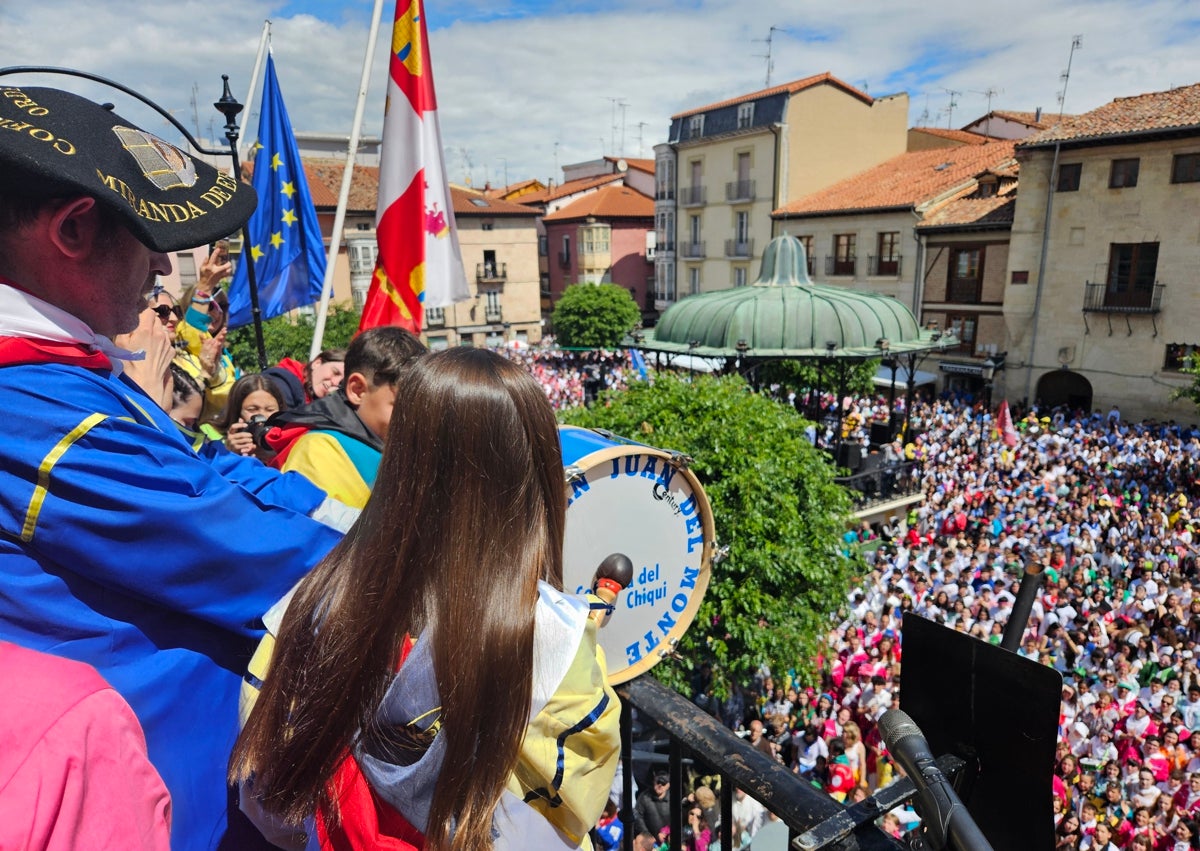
{"x": 419, "y": 264}
{"x": 1004, "y": 422}
{"x": 285, "y": 246}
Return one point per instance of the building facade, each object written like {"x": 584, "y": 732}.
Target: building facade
{"x": 1101, "y": 305}
{"x": 728, "y": 165}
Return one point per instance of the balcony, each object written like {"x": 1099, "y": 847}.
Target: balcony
{"x": 692, "y": 250}
{"x": 692, "y": 196}
{"x": 739, "y": 191}
{"x": 493, "y": 314}
{"x": 435, "y": 317}
{"x": 841, "y": 265}
{"x": 665, "y": 193}
{"x": 739, "y": 248}
{"x": 491, "y": 273}
{"x": 1100, "y": 298}
{"x": 884, "y": 267}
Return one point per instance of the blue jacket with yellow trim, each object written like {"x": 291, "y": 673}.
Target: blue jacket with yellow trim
{"x": 120, "y": 547}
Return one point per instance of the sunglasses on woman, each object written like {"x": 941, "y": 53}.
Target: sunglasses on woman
{"x": 166, "y": 310}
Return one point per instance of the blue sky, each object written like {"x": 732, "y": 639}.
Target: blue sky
{"x": 528, "y": 86}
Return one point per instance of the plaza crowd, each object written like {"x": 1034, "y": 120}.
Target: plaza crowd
{"x": 1112, "y": 510}
{"x": 573, "y": 378}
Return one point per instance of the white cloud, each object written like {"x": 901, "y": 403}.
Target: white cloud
{"x": 531, "y": 90}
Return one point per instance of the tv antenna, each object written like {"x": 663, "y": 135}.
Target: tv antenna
{"x": 614, "y": 103}
{"x": 989, "y": 93}
{"x": 641, "y": 125}
{"x": 1076, "y": 44}
{"x": 950, "y": 109}
{"x": 767, "y": 56}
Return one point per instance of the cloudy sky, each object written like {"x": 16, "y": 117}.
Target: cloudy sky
{"x": 525, "y": 87}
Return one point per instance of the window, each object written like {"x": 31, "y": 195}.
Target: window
{"x": 963, "y": 327}
{"x": 965, "y": 275}
{"x": 1124, "y": 173}
{"x": 694, "y": 229}
{"x": 594, "y": 239}
{"x": 741, "y": 227}
{"x": 745, "y": 115}
{"x": 664, "y": 281}
{"x": 694, "y": 280}
{"x": 696, "y": 126}
{"x": 806, "y": 241}
{"x": 564, "y": 258}
{"x": 185, "y": 261}
{"x": 739, "y": 276}
{"x": 1068, "y": 177}
{"x": 1132, "y": 267}
{"x": 1185, "y": 168}
{"x": 743, "y": 167}
{"x": 362, "y": 256}
{"x": 543, "y": 245}
{"x": 435, "y": 316}
{"x": 844, "y": 246}
{"x": 664, "y": 177}
{"x": 1178, "y": 356}
{"x": 888, "y": 258}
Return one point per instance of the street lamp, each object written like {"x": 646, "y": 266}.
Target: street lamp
{"x": 988, "y": 371}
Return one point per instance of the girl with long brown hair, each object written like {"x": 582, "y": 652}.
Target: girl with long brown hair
{"x": 430, "y": 679}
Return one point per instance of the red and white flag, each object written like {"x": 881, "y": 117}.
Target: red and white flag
{"x": 419, "y": 262}
{"x": 1004, "y": 422}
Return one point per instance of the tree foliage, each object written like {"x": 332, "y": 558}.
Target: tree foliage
{"x": 774, "y": 504}
{"x": 594, "y": 316}
{"x": 855, "y": 379}
{"x": 286, "y": 337}
{"x": 1191, "y": 392}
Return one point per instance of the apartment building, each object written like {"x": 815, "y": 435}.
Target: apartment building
{"x": 726, "y": 166}
{"x": 1101, "y": 303}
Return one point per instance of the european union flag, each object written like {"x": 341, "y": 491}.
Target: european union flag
{"x": 285, "y": 239}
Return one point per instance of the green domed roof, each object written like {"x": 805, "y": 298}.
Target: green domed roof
{"x": 784, "y": 314}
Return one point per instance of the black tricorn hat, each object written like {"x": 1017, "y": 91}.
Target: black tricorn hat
{"x": 56, "y": 143}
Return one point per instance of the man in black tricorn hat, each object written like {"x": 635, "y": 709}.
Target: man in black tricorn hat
{"x": 119, "y": 547}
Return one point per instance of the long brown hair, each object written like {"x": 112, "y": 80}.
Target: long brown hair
{"x": 466, "y": 516}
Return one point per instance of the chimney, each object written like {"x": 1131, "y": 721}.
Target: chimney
{"x": 1037, "y": 116}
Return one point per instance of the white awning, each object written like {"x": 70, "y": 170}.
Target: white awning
{"x": 883, "y": 377}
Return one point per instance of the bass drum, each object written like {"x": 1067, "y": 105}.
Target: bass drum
{"x": 644, "y": 502}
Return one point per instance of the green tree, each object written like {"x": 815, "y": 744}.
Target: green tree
{"x": 288, "y": 337}
{"x": 774, "y": 504}
{"x": 803, "y": 375}
{"x": 594, "y": 316}
{"x": 1191, "y": 392}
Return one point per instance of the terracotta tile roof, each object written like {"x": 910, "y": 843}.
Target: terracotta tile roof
{"x": 468, "y": 202}
{"x": 965, "y": 137}
{"x": 1130, "y": 116}
{"x": 906, "y": 181}
{"x": 1029, "y": 119}
{"x": 324, "y": 178}
{"x": 611, "y": 202}
{"x": 790, "y": 88}
{"x": 996, "y": 211}
{"x": 636, "y": 164}
{"x": 543, "y": 196}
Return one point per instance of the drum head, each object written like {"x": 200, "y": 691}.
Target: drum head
{"x": 634, "y": 500}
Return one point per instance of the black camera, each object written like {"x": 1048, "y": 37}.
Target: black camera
{"x": 258, "y": 428}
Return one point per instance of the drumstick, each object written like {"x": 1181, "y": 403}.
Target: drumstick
{"x": 612, "y": 577}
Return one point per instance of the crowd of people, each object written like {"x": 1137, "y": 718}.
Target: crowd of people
{"x": 573, "y": 378}
{"x": 1112, "y": 510}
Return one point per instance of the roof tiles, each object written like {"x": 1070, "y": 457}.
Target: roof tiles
{"x": 1148, "y": 113}
{"x": 790, "y": 88}
{"x": 906, "y": 181}
{"x": 611, "y": 202}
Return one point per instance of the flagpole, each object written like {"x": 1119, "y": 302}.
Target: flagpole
{"x": 339, "y": 219}
{"x": 258, "y": 61}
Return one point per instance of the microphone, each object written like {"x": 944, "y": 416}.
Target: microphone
{"x": 943, "y": 813}
{"x": 612, "y": 577}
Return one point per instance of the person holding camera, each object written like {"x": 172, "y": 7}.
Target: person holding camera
{"x": 252, "y": 401}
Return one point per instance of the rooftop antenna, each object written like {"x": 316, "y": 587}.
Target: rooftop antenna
{"x": 1076, "y": 44}
{"x": 641, "y": 125}
{"x": 767, "y": 56}
{"x": 622, "y": 105}
{"x": 923, "y": 121}
{"x": 950, "y": 109}
{"x": 612, "y": 127}
{"x": 556, "y": 144}
{"x": 989, "y": 93}
{"x": 505, "y": 161}
{"x": 467, "y": 164}
{"x": 195, "y": 109}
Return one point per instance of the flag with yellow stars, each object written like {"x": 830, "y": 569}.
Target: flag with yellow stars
{"x": 285, "y": 245}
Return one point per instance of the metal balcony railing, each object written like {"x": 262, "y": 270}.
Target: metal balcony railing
{"x": 884, "y": 483}
{"x": 493, "y": 314}
{"x": 491, "y": 272}
{"x": 884, "y": 267}
{"x": 435, "y": 317}
{"x": 739, "y": 190}
{"x": 691, "y": 249}
{"x": 692, "y": 196}
{"x": 1101, "y": 298}
{"x": 815, "y": 820}
{"x": 739, "y": 248}
{"x": 840, "y": 266}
